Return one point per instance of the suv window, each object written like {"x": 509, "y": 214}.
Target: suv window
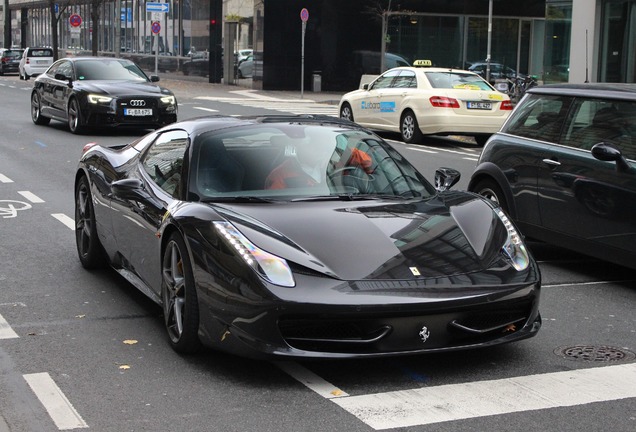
{"x": 540, "y": 117}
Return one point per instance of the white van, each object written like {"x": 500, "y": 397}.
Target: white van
{"x": 35, "y": 61}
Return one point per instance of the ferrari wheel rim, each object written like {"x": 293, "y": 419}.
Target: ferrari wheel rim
{"x": 174, "y": 284}
{"x": 84, "y": 220}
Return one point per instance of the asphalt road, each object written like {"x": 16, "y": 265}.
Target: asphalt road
{"x": 83, "y": 349}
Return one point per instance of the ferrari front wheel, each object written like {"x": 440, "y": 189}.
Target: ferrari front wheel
{"x": 89, "y": 248}
{"x": 179, "y": 297}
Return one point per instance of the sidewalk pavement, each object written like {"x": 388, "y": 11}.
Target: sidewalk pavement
{"x": 192, "y": 86}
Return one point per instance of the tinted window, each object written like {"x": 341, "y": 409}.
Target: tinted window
{"x": 41, "y": 52}
{"x": 108, "y": 70}
{"x": 164, "y": 161}
{"x": 539, "y": 117}
{"x": 597, "y": 120}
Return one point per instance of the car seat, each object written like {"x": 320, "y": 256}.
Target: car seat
{"x": 217, "y": 170}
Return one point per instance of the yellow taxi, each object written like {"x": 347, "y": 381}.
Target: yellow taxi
{"x": 424, "y": 100}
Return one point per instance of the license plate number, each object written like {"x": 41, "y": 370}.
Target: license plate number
{"x": 41, "y": 62}
{"x": 479, "y": 105}
{"x": 137, "y": 112}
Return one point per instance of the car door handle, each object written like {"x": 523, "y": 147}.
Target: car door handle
{"x": 551, "y": 162}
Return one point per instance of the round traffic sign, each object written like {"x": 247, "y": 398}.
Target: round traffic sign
{"x": 304, "y": 15}
{"x": 156, "y": 27}
{"x": 75, "y": 20}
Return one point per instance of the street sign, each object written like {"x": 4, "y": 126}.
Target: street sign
{"x": 156, "y": 27}
{"x": 304, "y": 14}
{"x": 75, "y": 20}
{"x": 157, "y": 7}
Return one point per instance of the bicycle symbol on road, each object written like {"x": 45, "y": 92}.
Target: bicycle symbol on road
{"x": 9, "y": 208}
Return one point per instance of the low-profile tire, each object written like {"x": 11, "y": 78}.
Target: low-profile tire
{"x": 74, "y": 115}
{"x": 409, "y": 128}
{"x": 490, "y": 190}
{"x": 36, "y": 110}
{"x": 346, "y": 112}
{"x": 89, "y": 249}
{"x": 179, "y": 297}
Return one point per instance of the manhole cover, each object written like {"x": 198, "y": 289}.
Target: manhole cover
{"x": 594, "y": 353}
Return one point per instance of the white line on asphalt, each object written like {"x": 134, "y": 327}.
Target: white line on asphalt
{"x": 5, "y": 179}
{"x": 6, "y": 332}
{"x": 69, "y": 222}
{"x": 206, "y": 109}
{"x": 31, "y": 197}
{"x": 477, "y": 399}
{"x": 57, "y": 405}
{"x": 421, "y": 150}
{"x": 311, "y": 380}
{"x": 588, "y": 283}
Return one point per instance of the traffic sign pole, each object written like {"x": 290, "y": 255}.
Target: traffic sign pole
{"x": 304, "y": 16}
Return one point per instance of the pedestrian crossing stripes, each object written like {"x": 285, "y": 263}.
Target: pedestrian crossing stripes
{"x": 293, "y": 106}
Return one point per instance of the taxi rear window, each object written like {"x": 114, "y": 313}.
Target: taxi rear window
{"x": 455, "y": 80}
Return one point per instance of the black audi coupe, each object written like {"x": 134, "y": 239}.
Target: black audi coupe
{"x": 100, "y": 92}
{"x": 302, "y": 236}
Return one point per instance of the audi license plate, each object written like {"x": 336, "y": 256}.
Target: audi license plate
{"x": 137, "y": 112}
{"x": 479, "y": 105}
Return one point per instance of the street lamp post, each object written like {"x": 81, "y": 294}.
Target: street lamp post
{"x": 489, "y": 40}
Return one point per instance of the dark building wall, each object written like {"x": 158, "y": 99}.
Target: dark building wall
{"x": 338, "y": 28}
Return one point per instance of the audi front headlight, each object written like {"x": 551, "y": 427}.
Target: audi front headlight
{"x": 99, "y": 99}
{"x": 168, "y": 100}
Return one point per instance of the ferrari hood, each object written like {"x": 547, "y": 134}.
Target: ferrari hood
{"x": 454, "y": 233}
{"x": 121, "y": 88}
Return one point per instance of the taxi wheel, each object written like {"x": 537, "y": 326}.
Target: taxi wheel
{"x": 346, "y": 112}
{"x": 409, "y": 128}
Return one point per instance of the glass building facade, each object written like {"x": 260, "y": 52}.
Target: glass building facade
{"x": 533, "y": 37}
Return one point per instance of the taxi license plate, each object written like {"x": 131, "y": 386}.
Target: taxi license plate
{"x": 479, "y": 105}
{"x": 137, "y": 112}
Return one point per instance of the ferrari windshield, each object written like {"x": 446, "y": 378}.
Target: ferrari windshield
{"x": 107, "y": 69}
{"x": 297, "y": 161}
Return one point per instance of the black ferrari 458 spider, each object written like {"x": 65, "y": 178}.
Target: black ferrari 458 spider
{"x": 302, "y": 236}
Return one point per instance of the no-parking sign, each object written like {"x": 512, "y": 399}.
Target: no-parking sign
{"x": 155, "y": 27}
{"x": 75, "y": 20}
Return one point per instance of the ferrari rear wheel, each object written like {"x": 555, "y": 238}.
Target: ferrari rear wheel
{"x": 36, "y": 110}
{"x": 179, "y": 296}
{"x": 89, "y": 248}
{"x": 74, "y": 115}
{"x": 409, "y": 128}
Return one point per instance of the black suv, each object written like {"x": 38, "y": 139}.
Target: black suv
{"x": 10, "y": 60}
{"x": 563, "y": 167}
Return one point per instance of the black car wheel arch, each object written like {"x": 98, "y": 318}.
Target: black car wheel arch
{"x": 179, "y": 296}
{"x": 36, "y": 110}
{"x": 74, "y": 113}
{"x": 488, "y": 180}
{"x": 89, "y": 248}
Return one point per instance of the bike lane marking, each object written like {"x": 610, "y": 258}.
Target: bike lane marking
{"x": 31, "y": 197}
{"x": 55, "y": 402}
{"x": 6, "y": 332}
{"x": 69, "y": 222}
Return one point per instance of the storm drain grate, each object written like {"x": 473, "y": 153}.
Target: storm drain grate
{"x": 594, "y": 353}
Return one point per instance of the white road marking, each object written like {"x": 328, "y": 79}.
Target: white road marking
{"x": 5, "y": 179}
{"x": 31, "y": 197}
{"x": 6, "y": 332}
{"x": 311, "y": 380}
{"x": 57, "y": 405}
{"x": 421, "y": 150}
{"x": 205, "y": 109}
{"x": 69, "y": 222}
{"x": 486, "y": 398}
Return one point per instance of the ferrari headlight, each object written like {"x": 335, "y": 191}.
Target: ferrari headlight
{"x": 514, "y": 248}
{"x": 272, "y": 268}
{"x": 168, "y": 100}
{"x": 99, "y": 99}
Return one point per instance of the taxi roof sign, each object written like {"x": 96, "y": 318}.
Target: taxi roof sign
{"x": 422, "y": 63}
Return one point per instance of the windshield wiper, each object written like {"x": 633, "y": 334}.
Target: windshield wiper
{"x": 237, "y": 199}
{"x": 350, "y": 197}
